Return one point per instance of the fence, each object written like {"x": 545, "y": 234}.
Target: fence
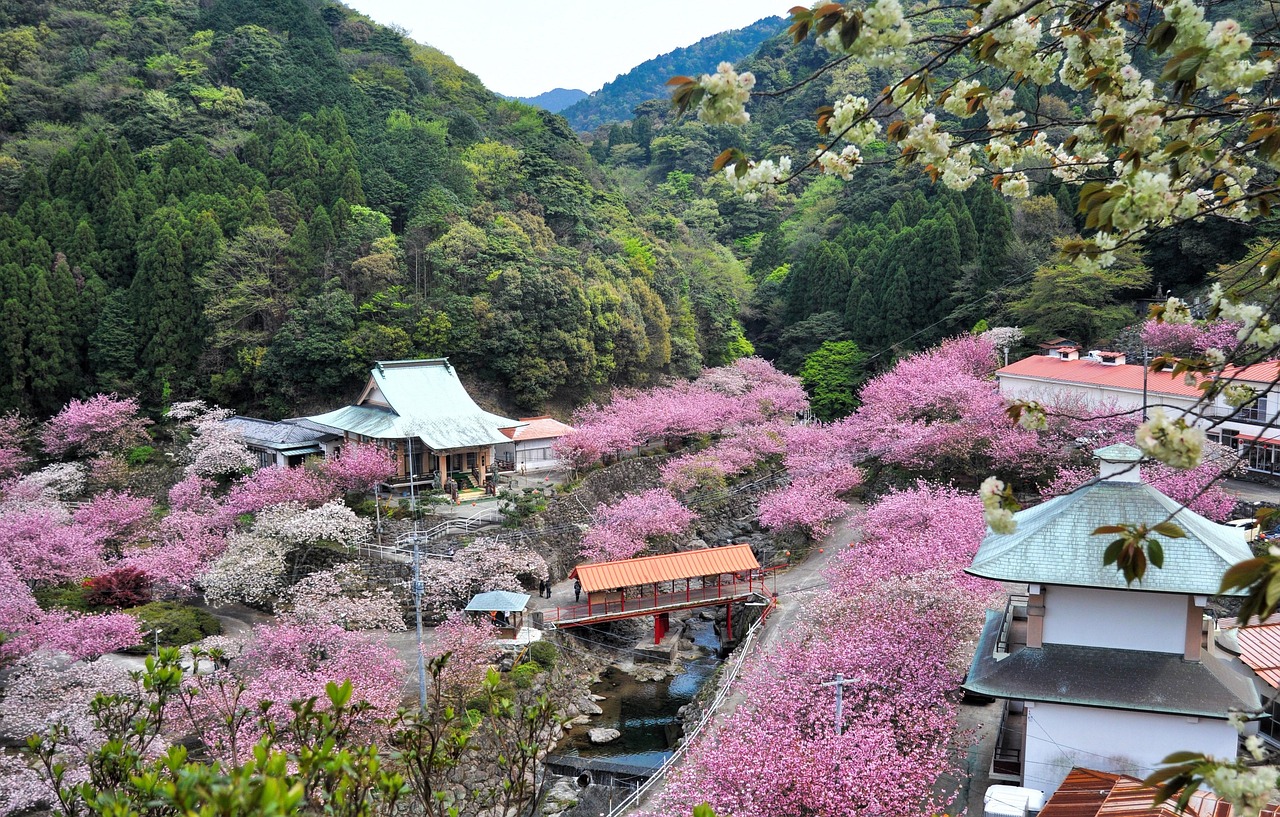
{"x": 729, "y": 675}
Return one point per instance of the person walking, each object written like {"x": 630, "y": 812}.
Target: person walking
{"x": 577, "y": 590}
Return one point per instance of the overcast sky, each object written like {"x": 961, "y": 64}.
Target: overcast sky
{"x": 525, "y": 47}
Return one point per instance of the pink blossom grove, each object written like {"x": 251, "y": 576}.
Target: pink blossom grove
{"x": 469, "y": 644}
{"x": 893, "y": 624}
{"x": 104, "y": 422}
{"x": 623, "y": 529}
{"x": 747, "y": 392}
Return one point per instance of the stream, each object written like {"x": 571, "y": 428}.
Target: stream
{"x": 645, "y": 712}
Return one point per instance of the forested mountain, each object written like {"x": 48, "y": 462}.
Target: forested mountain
{"x": 251, "y": 201}
{"x": 616, "y": 100}
{"x": 889, "y": 259}
{"x": 555, "y": 100}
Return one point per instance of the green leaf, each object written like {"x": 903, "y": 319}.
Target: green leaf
{"x": 1112, "y": 552}
{"x": 1171, "y": 530}
{"x": 1155, "y": 552}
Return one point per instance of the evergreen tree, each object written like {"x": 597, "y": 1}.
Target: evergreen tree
{"x": 50, "y": 359}
{"x": 113, "y": 346}
{"x": 165, "y": 310}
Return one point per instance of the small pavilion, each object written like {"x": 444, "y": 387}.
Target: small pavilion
{"x": 504, "y": 608}
{"x": 657, "y": 585}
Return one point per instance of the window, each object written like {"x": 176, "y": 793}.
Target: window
{"x": 266, "y": 459}
{"x": 1255, "y": 411}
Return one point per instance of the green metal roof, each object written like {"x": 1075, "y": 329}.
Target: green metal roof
{"x": 501, "y": 601}
{"x": 426, "y": 400}
{"x": 1054, "y": 543}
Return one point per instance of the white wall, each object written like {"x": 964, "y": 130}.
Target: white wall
{"x": 1020, "y": 388}
{"x": 1110, "y": 740}
{"x": 1125, "y": 619}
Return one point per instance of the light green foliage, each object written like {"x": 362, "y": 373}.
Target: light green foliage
{"x": 832, "y": 375}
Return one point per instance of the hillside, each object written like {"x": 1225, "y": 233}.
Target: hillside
{"x": 553, "y": 101}
{"x": 616, "y": 100}
{"x": 248, "y": 202}
{"x": 889, "y": 260}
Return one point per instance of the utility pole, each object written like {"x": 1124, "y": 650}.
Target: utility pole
{"x": 417, "y": 612}
{"x": 839, "y": 683}
{"x": 1146, "y": 354}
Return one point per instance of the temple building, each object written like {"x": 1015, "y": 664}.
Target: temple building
{"x": 1096, "y": 672}
{"x": 420, "y": 410}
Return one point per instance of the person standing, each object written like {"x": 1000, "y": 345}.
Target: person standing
{"x": 577, "y": 590}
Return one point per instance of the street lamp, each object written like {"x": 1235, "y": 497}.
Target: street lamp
{"x": 417, "y": 612}
{"x": 156, "y": 632}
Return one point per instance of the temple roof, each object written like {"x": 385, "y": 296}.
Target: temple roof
{"x": 1054, "y": 543}
{"x": 1110, "y": 678}
{"x": 423, "y": 399}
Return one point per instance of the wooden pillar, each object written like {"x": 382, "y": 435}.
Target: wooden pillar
{"x": 444, "y": 468}
{"x": 661, "y": 624}
{"x": 728, "y": 609}
{"x": 655, "y": 594}
{"x": 1195, "y": 627}
{"x": 686, "y": 589}
{"x": 1035, "y": 615}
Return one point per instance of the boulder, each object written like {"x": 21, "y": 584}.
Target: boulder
{"x": 602, "y": 735}
{"x": 589, "y": 708}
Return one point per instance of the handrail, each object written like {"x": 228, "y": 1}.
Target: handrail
{"x": 708, "y": 714}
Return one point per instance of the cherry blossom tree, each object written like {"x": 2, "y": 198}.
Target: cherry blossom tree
{"x": 624, "y": 528}
{"x": 291, "y": 661}
{"x": 359, "y": 467}
{"x": 116, "y": 518}
{"x": 216, "y": 449}
{"x": 103, "y": 423}
{"x": 738, "y": 451}
{"x": 252, "y": 568}
{"x": 820, "y": 465}
{"x": 270, "y": 486}
{"x": 1183, "y": 339}
{"x": 25, "y": 628}
{"x": 480, "y": 567}
{"x": 894, "y": 623}
{"x": 748, "y": 392}
{"x": 342, "y": 596}
{"x": 469, "y": 643}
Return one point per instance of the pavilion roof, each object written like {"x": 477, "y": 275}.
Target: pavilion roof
{"x": 669, "y": 567}
{"x": 501, "y": 601}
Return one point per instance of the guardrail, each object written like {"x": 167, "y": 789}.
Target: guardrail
{"x": 727, "y": 678}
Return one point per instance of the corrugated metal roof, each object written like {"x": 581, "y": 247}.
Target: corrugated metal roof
{"x": 1080, "y": 795}
{"x": 1054, "y": 543}
{"x": 427, "y": 401}
{"x": 1089, "y": 793}
{"x": 1127, "y": 376}
{"x": 669, "y": 567}
{"x": 1260, "y": 649}
{"x": 501, "y": 601}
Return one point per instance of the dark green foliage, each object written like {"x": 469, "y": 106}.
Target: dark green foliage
{"x": 179, "y": 624}
{"x": 72, "y": 596}
{"x": 522, "y": 676}
{"x": 544, "y": 653}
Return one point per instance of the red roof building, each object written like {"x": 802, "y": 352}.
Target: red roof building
{"x": 1106, "y": 381}
{"x": 532, "y": 446}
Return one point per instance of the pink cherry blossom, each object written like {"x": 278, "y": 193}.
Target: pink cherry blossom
{"x": 623, "y": 529}
{"x": 469, "y": 642}
{"x": 104, "y": 422}
{"x": 359, "y": 467}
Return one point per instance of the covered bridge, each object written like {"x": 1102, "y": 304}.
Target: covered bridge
{"x": 657, "y": 585}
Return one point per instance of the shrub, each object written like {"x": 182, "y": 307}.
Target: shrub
{"x": 179, "y": 624}
{"x": 72, "y": 596}
{"x": 523, "y": 675}
{"x": 122, "y": 587}
{"x": 544, "y": 653}
{"x": 140, "y": 455}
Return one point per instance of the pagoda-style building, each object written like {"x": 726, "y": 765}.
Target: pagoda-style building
{"x": 420, "y": 410}
{"x": 1095, "y": 672}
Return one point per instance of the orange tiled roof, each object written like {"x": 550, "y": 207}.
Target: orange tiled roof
{"x": 538, "y": 428}
{"x": 1259, "y": 646}
{"x": 1088, "y": 793}
{"x": 666, "y": 568}
{"x": 1126, "y": 376}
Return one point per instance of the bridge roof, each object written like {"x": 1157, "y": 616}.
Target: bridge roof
{"x": 668, "y": 567}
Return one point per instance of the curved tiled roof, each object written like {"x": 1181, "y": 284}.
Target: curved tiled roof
{"x": 1054, "y": 543}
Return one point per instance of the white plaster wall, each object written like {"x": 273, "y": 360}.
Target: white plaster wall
{"x": 1109, "y": 740}
{"x": 1022, "y": 388}
{"x": 1122, "y": 619}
